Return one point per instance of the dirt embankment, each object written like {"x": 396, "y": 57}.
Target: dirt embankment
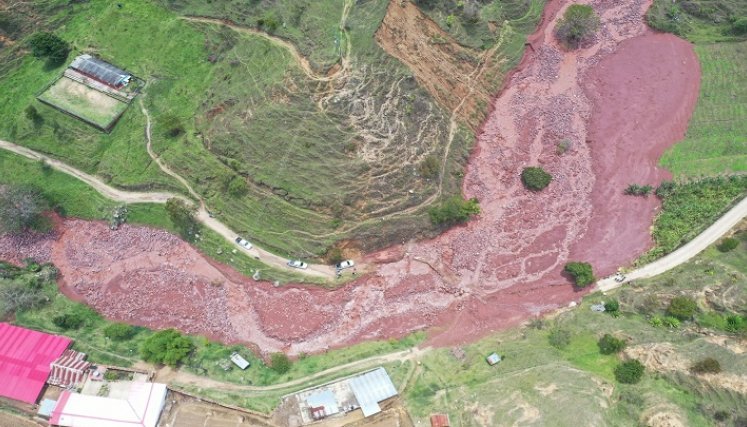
{"x": 451, "y": 73}
{"x": 612, "y": 101}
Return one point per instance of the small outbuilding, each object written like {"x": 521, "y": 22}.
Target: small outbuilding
{"x": 69, "y": 370}
{"x": 440, "y": 420}
{"x": 493, "y": 359}
{"x": 239, "y": 361}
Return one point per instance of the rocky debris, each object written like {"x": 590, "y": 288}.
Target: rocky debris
{"x": 14, "y": 248}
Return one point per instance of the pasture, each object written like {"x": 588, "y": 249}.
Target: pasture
{"x": 90, "y": 105}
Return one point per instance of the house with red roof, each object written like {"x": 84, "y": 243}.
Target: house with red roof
{"x": 25, "y": 361}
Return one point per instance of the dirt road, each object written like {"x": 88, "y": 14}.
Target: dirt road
{"x": 122, "y": 196}
{"x": 692, "y": 248}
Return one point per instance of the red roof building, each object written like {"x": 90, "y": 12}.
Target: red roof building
{"x": 25, "y": 358}
{"x": 440, "y": 420}
{"x": 69, "y": 370}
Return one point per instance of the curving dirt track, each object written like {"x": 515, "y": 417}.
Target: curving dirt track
{"x": 621, "y": 101}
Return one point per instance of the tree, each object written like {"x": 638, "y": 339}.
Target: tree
{"x": 559, "y": 338}
{"x": 610, "y": 345}
{"x": 182, "y": 216}
{"x": 579, "y": 23}
{"x": 119, "y": 331}
{"x": 535, "y": 178}
{"x": 454, "y": 210}
{"x": 280, "y": 363}
{"x": 69, "y": 321}
{"x": 582, "y": 273}
{"x": 166, "y": 347}
{"x": 612, "y": 306}
{"x": 48, "y": 45}
{"x": 33, "y": 115}
{"x": 682, "y": 308}
{"x": 708, "y": 365}
{"x": 21, "y": 209}
{"x": 629, "y": 372}
{"x": 728, "y": 244}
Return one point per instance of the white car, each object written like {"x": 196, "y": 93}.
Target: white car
{"x": 345, "y": 264}
{"x": 243, "y": 243}
{"x": 619, "y": 277}
{"x": 297, "y": 264}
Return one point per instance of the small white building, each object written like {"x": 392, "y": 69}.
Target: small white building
{"x": 141, "y": 406}
{"x": 239, "y": 361}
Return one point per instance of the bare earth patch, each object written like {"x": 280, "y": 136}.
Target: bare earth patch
{"x": 491, "y": 273}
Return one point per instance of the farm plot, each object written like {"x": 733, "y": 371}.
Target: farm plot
{"x": 715, "y": 141}
{"x": 90, "y": 105}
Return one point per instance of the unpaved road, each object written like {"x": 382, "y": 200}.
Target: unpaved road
{"x": 203, "y": 216}
{"x": 705, "y": 239}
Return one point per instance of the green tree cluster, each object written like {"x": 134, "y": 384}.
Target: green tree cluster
{"x": 610, "y": 345}
{"x": 582, "y": 273}
{"x": 454, "y": 210}
{"x": 579, "y": 23}
{"x": 280, "y": 363}
{"x": 69, "y": 320}
{"x": 629, "y": 372}
{"x": 167, "y": 347}
{"x": 182, "y": 216}
{"x": 21, "y": 209}
{"x": 48, "y": 45}
{"x": 119, "y": 332}
{"x": 535, "y": 178}
{"x": 682, "y": 308}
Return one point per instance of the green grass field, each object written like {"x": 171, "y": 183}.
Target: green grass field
{"x": 84, "y": 102}
{"x": 716, "y": 140}
{"x": 537, "y": 382}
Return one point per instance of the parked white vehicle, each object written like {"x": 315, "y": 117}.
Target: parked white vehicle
{"x": 297, "y": 264}
{"x": 345, "y": 264}
{"x": 243, "y": 243}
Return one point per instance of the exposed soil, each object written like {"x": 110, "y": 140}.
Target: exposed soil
{"x": 620, "y": 101}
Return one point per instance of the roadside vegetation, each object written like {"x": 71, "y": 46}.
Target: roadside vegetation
{"x": 581, "y": 272}
{"x": 604, "y": 366}
{"x": 578, "y": 25}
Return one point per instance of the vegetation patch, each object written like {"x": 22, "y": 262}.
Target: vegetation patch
{"x": 535, "y": 178}
{"x": 454, "y": 210}
{"x": 581, "y": 272}
{"x": 629, "y": 372}
{"x": 578, "y": 25}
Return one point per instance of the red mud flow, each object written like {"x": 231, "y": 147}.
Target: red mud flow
{"x": 620, "y": 102}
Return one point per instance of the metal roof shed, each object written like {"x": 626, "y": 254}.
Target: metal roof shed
{"x": 69, "y": 370}
{"x": 371, "y": 388}
{"x": 100, "y": 70}
{"x": 25, "y": 356}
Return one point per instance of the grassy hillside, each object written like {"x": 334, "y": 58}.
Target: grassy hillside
{"x": 294, "y": 159}
{"x": 536, "y": 381}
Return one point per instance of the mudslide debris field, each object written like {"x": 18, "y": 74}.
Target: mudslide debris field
{"x": 620, "y": 102}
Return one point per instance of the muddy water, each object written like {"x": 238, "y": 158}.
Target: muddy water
{"x": 619, "y": 101}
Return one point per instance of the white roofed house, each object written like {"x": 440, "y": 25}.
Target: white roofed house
{"x": 140, "y": 406}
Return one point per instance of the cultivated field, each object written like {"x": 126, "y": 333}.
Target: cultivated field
{"x": 716, "y": 140}
{"x": 82, "y": 101}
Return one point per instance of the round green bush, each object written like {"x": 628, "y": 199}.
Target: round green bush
{"x": 535, "y": 179}
{"x": 629, "y": 372}
{"x": 119, "y": 331}
{"x": 582, "y": 273}
{"x": 579, "y": 23}
{"x": 682, "y": 308}
{"x": 280, "y": 363}
{"x": 728, "y": 244}
{"x": 559, "y": 338}
{"x": 610, "y": 345}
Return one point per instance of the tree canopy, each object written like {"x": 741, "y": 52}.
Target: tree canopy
{"x": 579, "y": 23}
{"x": 48, "y": 45}
{"x": 167, "y": 347}
{"x": 21, "y": 209}
{"x": 582, "y": 273}
{"x": 682, "y": 308}
{"x": 454, "y": 210}
{"x": 535, "y": 178}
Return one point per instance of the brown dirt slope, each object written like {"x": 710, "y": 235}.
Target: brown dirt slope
{"x": 448, "y": 71}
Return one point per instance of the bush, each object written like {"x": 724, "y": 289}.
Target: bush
{"x": 638, "y": 190}
{"x": 454, "y": 210}
{"x": 69, "y": 321}
{"x": 728, "y": 244}
{"x": 671, "y": 322}
{"x": 682, "y": 308}
{"x": 119, "y": 331}
{"x": 739, "y": 26}
{"x": 612, "y": 306}
{"x": 166, "y": 347}
{"x": 578, "y": 24}
{"x": 582, "y": 273}
{"x": 33, "y": 115}
{"x": 48, "y": 45}
{"x": 429, "y": 167}
{"x": 629, "y": 372}
{"x": 182, "y": 216}
{"x": 735, "y": 323}
{"x": 610, "y": 345}
{"x": 238, "y": 187}
{"x": 21, "y": 209}
{"x": 708, "y": 365}
{"x": 335, "y": 255}
{"x": 559, "y": 338}
{"x": 280, "y": 363}
{"x": 535, "y": 179}
{"x": 656, "y": 321}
